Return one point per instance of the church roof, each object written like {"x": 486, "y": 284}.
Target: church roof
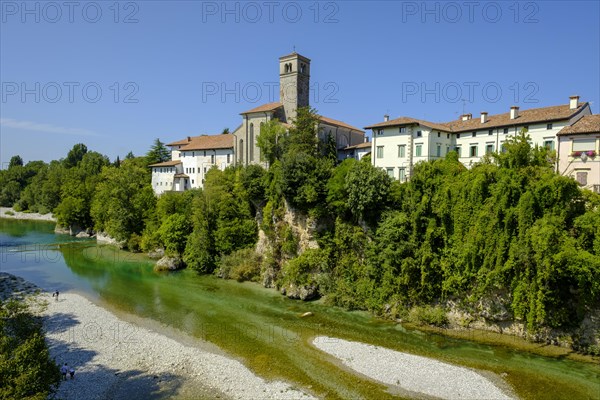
{"x": 264, "y": 108}
{"x": 586, "y": 124}
{"x": 335, "y": 122}
{"x": 365, "y": 145}
{"x": 408, "y": 121}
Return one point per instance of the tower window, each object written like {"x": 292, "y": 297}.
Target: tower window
{"x": 302, "y": 68}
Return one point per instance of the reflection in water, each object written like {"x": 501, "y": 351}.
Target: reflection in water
{"x": 263, "y": 327}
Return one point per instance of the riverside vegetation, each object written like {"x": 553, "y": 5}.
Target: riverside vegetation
{"x": 506, "y": 241}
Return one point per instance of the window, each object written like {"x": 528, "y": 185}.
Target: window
{"x": 439, "y": 150}
{"x": 458, "y": 151}
{"x": 549, "y": 126}
{"x": 379, "y": 132}
{"x": 193, "y": 154}
{"x": 489, "y": 148}
{"x": 192, "y": 181}
{"x": 402, "y": 174}
{"x": 212, "y": 158}
{"x": 447, "y": 149}
{"x": 584, "y": 144}
{"x": 505, "y": 130}
{"x": 402, "y": 130}
{"x": 205, "y": 170}
{"x": 458, "y": 135}
{"x": 549, "y": 144}
{"x": 379, "y": 151}
{"x": 503, "y": 147}
{"x": 473, "y": 151}
{"x": 402, "y": 150}
{"x": 474, "y": 134}
{"x": 447, "y": 136}
{"x": 418, "y": 150}
{"x": 419, "y": 133}
{"x": 228, "y": 158}
{"x": 250, "y": 146}
{"x": 439, "y": 134}
{"x": 491, "y": 132}
{"x": 581, "y": 177}
{"x": 241, "y": 150}
{"x": 390, "y": 172}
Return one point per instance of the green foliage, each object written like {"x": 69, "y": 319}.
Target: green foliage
{"x": 26, "y": 370}
{"x": 241, "y": 265}
{"x": 368, "y": 190}
{"x": 428, "y": 315}
{"x": 15, "y": 161}
{"x": 123, "y": 200}
{"x": 269, "y": 141}
{"x": 158, "y": 153}
{"x": 75, "y": 155}
{"x": 174, "y": 232}
{"x": 305, "y": 269}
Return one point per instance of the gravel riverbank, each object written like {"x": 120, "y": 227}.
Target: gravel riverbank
{"x": 7, "y": 212}
{"x": 116, "y": 359}
{"x": 409, "y": 374}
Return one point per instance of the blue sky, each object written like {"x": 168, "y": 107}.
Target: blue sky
{"x": 117, "y": 75}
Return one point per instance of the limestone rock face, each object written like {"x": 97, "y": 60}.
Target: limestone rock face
{"x": 168, "y": 263}
{"x": 304, "y": 292}
{"x": 105, "y": 238}
{"x": 157, "y": 254}
{"x": 61, "y": 230}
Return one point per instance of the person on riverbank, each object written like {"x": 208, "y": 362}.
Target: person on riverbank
{"x": 55, "y": 295}
{"x": 63, "y": 370}
{"x": 72, "y": 372}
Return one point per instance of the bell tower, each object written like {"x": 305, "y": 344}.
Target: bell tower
{"x": 294, "y": 83}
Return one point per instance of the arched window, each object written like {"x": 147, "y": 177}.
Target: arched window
{"x": 302, "y": 68}
{"x": 241, "y": 151}
{"x": 251, "y": 144}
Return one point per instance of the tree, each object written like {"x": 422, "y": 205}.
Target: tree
{"x": 199, "y": 251}
{"x": 174, "y": 233}
{"x": 269, "y": 141}
{"x": 117, "y": 162}
{"x": 368, "y": 189}
{"x": 158, "y": 153}
{"x": 75, "y": 155}
{"x": 15, "y": 161}
{"x": 129, "y": 156}
{"x": 225, "y": 131}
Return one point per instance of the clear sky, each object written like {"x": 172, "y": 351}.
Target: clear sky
{"x": 115, "y": 76}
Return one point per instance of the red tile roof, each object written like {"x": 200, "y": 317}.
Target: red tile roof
{"x": 365, "y": 145}
{"x": 166, "y": 164}
{"x": 341, "y": 124}
{"x": 402, "y": 121}
{"x": 264, "y": 108}
{"x": 209, "y": 142}
{"x": 543, "y": 114}
{"x": 586, "y": 124}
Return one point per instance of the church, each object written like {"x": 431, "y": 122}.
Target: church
{"x": 193, "y": 156}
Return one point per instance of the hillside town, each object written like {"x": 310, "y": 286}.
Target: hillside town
{"x": 395, "y": 145}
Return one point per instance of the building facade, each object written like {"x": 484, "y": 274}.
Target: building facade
{"x": 579, "y": 152}
{"x": 191, "y": 158}
{"x": 398, "y": 145}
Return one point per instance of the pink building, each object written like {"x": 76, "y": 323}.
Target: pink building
{"x": 579, "y": 152}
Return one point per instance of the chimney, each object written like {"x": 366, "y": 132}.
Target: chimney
{"x": 189, "y": 139}
{"x": 466, "y": 117}
{"x": 366, "y": 139}
{"x": 573, "y": 102}
{"x": 386, "y": 118}
{"x": 484, "y": 117}
{"x": 514, "y": 112}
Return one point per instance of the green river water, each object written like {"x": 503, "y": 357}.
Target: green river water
{"x": 261, "y": 327}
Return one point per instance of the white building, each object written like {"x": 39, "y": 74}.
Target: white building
{"x": 191, "y": 158}
{"x": 579, "y": 152}
{"x": 399, "y": 144}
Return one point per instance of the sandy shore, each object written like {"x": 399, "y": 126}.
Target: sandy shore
{"x": 409, "y": 374}
{"x": 22, "y": 215}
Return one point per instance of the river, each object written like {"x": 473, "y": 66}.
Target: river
{"x": 261, "y": 327}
